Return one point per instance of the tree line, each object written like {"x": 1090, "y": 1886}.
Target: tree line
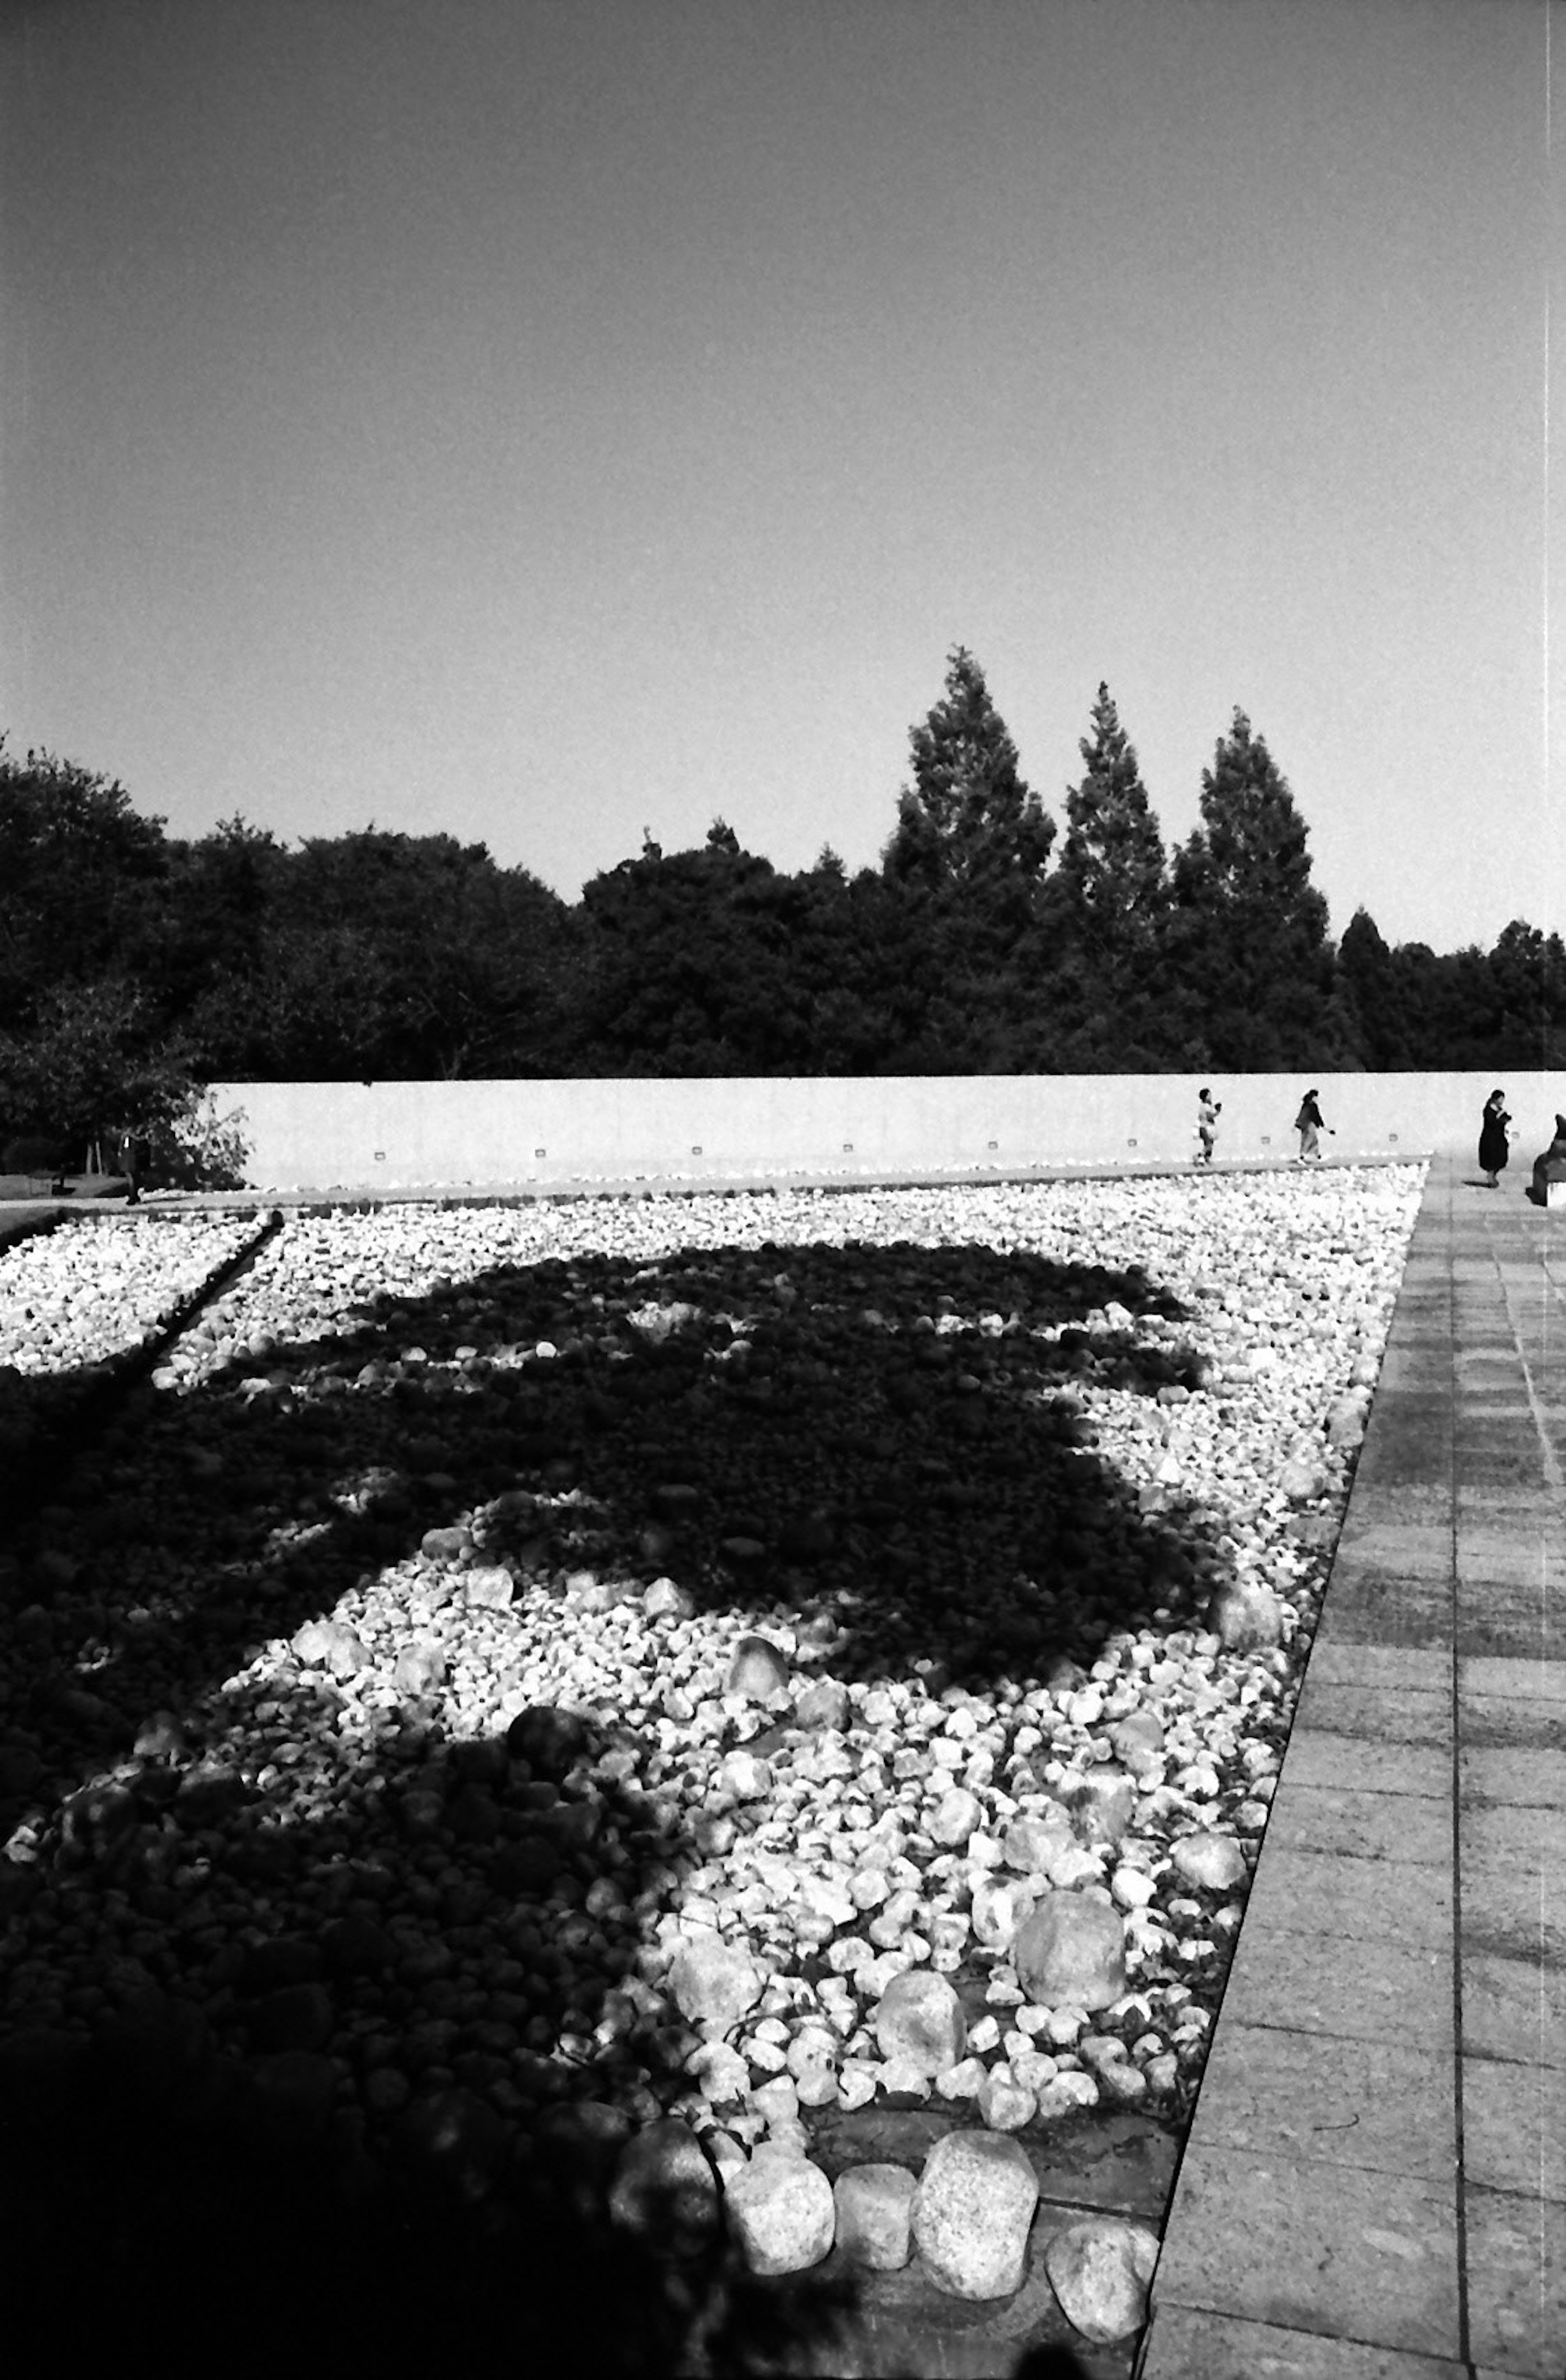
{"x": 135, "y": 966}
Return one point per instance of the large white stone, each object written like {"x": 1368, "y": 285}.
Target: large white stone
{"x": 758, "y": 1670}
{"x": 782, "y": 2211}
{"x": 920, "y": 2021}
{"x": 874, "y": 2210}
{"x": 1215, "y": 1861}
{"x": 1100, "y": 2271}
{"x": 1245, "y": 1616}
{"x": 1072, "y": 1950}
{"x": 972, "y": 2212}
{"x": 712, "y": 1983}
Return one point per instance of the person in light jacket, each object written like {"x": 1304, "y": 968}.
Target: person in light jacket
{"x": 1310, "y": 1127}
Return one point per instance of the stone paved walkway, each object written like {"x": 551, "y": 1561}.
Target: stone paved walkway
{"x": 1375, "y": 2183}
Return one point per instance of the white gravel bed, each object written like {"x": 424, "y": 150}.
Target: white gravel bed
{"x": 100, "y": 1286}
{"x": 79, "y": 1301}
{"x": 734, "y": 1656}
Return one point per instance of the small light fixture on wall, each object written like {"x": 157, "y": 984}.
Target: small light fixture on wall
{"x": 380, "y": 1156}
{"x": 541, "y": 1152}
{"x": 696, "y": 1150}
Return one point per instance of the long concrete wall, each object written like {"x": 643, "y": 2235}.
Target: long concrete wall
{"x": 390, "y": 1136}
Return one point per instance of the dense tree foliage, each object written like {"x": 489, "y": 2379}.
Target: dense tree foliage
{"x": 134, "y": 967}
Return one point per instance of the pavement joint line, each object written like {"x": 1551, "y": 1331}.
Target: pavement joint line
{"x": 1458, "y": 2144}
{"x": 1552, "y": 1468}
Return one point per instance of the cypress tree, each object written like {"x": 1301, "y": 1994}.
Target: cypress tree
{"x": 1105, "y": 903}
{"x": 1112, "y": 863}
{"x": 1249, "y": 932}
{"x": 963, "y": 870}
{"x": 968, "y": 814}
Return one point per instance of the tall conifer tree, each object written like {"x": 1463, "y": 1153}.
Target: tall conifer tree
{"x": 1112, "y": 863}
{"x": 1104, "y": 906}
{"x": 969, "y": 813}
{"x": 963, "y": 870}
{"x": 1250, "y": 933}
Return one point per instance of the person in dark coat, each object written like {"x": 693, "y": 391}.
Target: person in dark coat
{"x": 1493, "y": 1140}
{"x": 127, "y": 1159}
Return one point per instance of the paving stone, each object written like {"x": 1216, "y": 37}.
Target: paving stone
{"x": 1511, "y": 1466}
{"x": 1515, "y": 1838}
{"x": 1487, "y": 1623}
{"x": 1511, "y": 1723}
{"x": 1303, "y": 1981}
{"x": 1185, "y": 2341}
{"x": 1279, "y": 2094}
{"x": 1392, "y": 1714}
{"x": 1411, "y": 1827}
{"x": 1370, "y": 1767}
{"x": 1514, "y": 2008}
{"x": 1405, "y": 1531}
{"x": 1489, "y": 1777}
{"x": 1519, "y": 1679}
{"x": 1387, "y": 1666}
{"x": 1409, "y": 1457}
{"x": 1516, "y": 2283}
{"x": 1381, "y": 2264}
{"x": 1360, "y": 1900}
{"x": 1514, "y": 2128}
{"x": 1413, "y": 1615}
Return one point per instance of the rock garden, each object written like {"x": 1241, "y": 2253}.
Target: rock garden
{"x": 683, "y": 1771}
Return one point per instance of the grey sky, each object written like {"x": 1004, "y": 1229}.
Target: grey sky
{"x": 541, "y": 421}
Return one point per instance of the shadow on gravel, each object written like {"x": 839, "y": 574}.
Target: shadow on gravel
{"x": 873, "y": 1447}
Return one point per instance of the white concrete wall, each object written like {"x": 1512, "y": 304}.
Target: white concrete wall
{"x": 325, "y": 1135}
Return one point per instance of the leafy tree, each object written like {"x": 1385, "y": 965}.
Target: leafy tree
{"x": 1247, "y": 932}
{"x": 1527, "y": 971}
{"x": 91, "y": 1064}
{"x": 694, "y": 964}
{"x": 1372, "y": 988}
{"x": 81, "y": 880}
{"x": 376, "y": 955}
{"x": 222, "y": 899}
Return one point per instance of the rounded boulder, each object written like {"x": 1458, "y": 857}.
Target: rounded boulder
{"x": 874, "y": 2210}
{"x": 919, "y": 2018}
{"x": 782, "y": 2211}
{"x": 713, "y": 1983}
{"x": 971, "y": 2213}
{"x": 1099, "y": 2272}
{"x": 1070, "y": 1951}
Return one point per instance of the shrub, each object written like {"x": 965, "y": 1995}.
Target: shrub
{"x": 194, "y": 1147}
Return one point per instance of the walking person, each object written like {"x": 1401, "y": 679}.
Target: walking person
{"x": 128, "y": 1158}
{"x": 1493, "y": 1139}
{"x": 1208, "y": 1110}
{"x": 1308, "y": 1124}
